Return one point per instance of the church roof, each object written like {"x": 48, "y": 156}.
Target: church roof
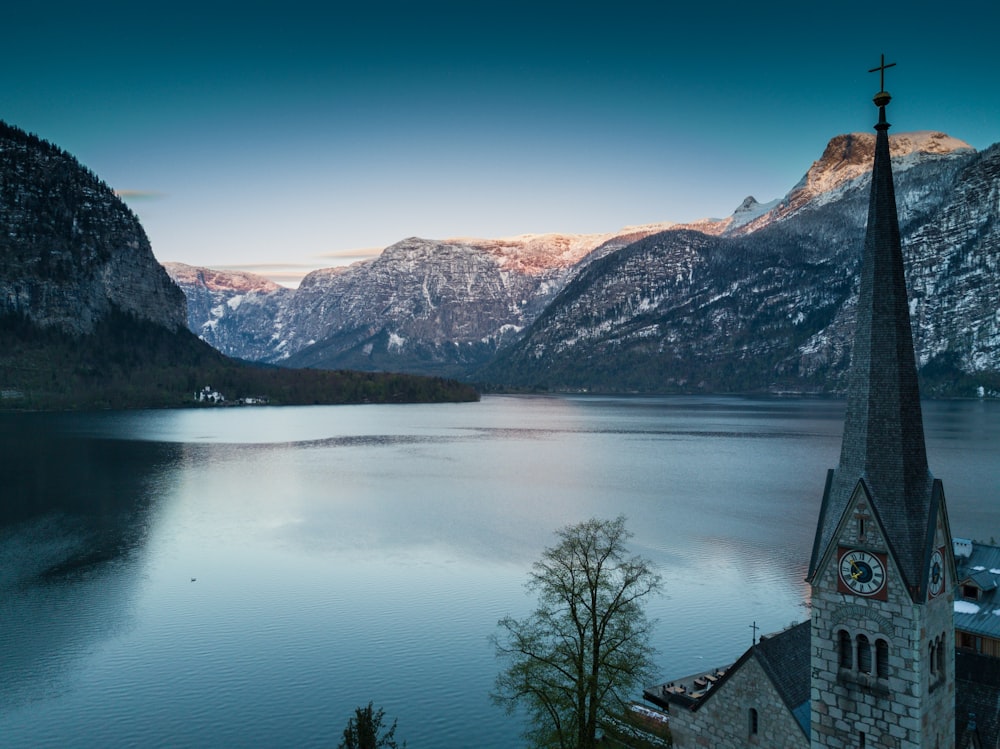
{"x": 979, "y": 615}
{"x": 883, "y": 441}
{"x": 977, "y": 699}
{"x": 785, "y": 659}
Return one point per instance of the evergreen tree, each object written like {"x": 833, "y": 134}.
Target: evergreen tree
{"x": 366, "y": 731}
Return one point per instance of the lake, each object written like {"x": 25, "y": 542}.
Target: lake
{"x": 247, "y": 577}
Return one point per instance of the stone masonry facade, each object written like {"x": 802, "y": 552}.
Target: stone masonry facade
{"x": 725, "y": 720}
{"x": 899, "y": 698}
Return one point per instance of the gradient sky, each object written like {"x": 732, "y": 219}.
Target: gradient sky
{"x": 267, "y": 134}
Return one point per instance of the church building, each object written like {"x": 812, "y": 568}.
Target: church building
{"x": 882, "y": 570}
{"x": 875, "y": 665}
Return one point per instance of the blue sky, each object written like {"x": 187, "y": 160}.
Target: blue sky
{"x": 287, "y": 134}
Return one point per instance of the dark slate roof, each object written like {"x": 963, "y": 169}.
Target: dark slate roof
{"x": 986, "y": 580}
{"x": 883, "y": 440}
{"x": 785, "y": 659}
{"x": 980, "y": 564}
{"x": 977, "y": 698}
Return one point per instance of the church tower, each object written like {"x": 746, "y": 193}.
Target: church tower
{"x": 882, "y": 570}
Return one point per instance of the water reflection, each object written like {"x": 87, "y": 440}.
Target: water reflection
{"x": 74, "y": 514}
{"x": 240, "y": 576}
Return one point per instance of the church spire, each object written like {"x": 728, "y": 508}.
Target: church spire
{"x": 882, "y": 575}
{"x": 883, "y": 442}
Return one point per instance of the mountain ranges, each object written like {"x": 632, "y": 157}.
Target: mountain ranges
{"x": 90, "y": 319}
{"x": 762, "y": 301}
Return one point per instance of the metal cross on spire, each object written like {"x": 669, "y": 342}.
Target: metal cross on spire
{"x": 881, "y": 68}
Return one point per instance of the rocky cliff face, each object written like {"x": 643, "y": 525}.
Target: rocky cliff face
{"x": 773, "y": 309}
{"x": 237, "y": 313}
{"x": 954, "y": 271}
{"x": 845, "y": 164}
{"x": 442, "y": 307}
{"x": 70, "y": 250}
{"x": 426, "y": 305}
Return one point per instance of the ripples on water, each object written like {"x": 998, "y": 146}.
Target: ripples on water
{"x": 247, "y": 577}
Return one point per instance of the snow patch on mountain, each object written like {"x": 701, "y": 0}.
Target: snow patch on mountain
{"x": 750, "y": 210}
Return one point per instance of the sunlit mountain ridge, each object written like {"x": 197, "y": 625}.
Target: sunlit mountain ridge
{"x": 510, "y": 311}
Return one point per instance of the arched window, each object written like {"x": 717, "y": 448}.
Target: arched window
{"x": 846, "y": 651}
{"x": 864, "y": 655}
{"x": 941, "y": 653}
{"x": 753, "y": 721}
{"x": 932, "y": 656}
{"x": 882, "y": 659}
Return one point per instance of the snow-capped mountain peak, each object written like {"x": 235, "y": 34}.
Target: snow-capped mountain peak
{"x": 449, "y": 307}
{"x": 750, "y": 210}
{"x": 845, "y": 162}
{"x": 849, "y": 156}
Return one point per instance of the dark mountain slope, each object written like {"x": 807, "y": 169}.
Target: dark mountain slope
{"x": 774, "y": 309}
{"x": 681, "y": 311}
{"x": 70, "y": 250}
{"x": 125, "y": 362}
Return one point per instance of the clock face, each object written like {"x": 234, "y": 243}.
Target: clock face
{"x": 936, "y": 580}
{"x": 863, "y": 573}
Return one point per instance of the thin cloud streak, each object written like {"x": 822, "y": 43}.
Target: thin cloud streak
{"x": 290, "y": 275}
{"x": 128, "y": 195}
{"x": 346, "y": 257}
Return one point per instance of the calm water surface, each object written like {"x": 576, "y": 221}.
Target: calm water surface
{"x": 246, "y": 577}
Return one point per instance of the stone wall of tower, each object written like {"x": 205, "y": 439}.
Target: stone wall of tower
{"x": 939, "y": 620}
{"x": 911, "y": 704}
{"x": 723, "y": 722}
